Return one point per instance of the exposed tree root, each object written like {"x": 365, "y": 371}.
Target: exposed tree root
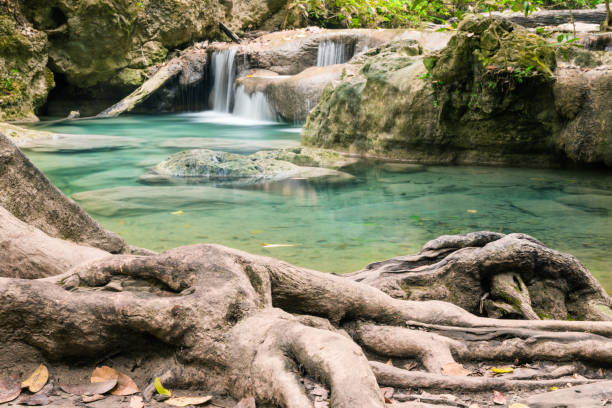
{"x": 513, "y": 275}
{"x": 224, "y": 313}
{"x": 231, "y": 321}
{"x": 397, "y": 377}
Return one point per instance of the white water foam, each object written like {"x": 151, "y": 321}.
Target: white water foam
{"x": 332, "y": 53}
{"x": 224, "y": 75}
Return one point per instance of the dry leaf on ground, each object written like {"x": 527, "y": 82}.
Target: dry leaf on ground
{"x": 125, "y": 385}
{"x": 160, "y": 388}
{"x": 104, "y": 373}
{"x": 89, "y": 389}
{"x": 37, "y": 380}
{"x": 246, "y": 402}
{"x": 9, "y": 389}
{"x": 455, "y": 369}
{"x": 35, "y": 400}
{"x": 498, "y": 398}
{"x": 517, "y": 405}
{"x": 186, "y": 401}
{"x": 92, "y": 398}
{"x": 136, "y": 402}
{"x": 502, "y": 370}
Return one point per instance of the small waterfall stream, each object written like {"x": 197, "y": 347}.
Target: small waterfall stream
{"x": 333, "y": 52}
{"x": 228, "y": 99}
{"x": 224, "y": 74}
{"x": 254, "y": 106}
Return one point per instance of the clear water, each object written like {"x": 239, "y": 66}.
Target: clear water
{"x": 387, "y": 210}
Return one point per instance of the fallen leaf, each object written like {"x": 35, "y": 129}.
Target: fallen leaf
{"x": 104, "y": 373}
{"x": 185, "y": 401}
{"x": 277, "y": 245}
{"x": 388, "y": 392}
{"x": 9, "y": 389}
{"x": 125, "y": 385}
{"x": 92, "y": 398}
{"x": 246, "y": 402}
{"x": 517, "y": 405}
{"x": 472, "y": 211}
{"x": 498, "y": 398}
{"x": 136, "y": 402}
{"x": 455, "y": 369}
{"x": 35, "y": 400}
{"x": 390, "y": 362}
{"x": 37, "y": 380}
{"x": 553, "y": 388}
{"x": 160, "y": 388}
{"x": 89, "y": 389}
{"x": 502, "y": 370}
{"x": 179, "y": 212}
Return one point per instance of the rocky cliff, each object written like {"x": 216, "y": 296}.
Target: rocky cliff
{"x": 103, "y": 48}
{"x": 497, "y": 94}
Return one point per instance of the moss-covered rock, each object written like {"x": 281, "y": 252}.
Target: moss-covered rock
{"x": 489, "y": 97}
{"x": 24, "y": 79}
{"x": 94, "y": 41}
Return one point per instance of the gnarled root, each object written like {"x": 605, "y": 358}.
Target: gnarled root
{"x": 506, "y": 275}
{"x": 235, "y": 321}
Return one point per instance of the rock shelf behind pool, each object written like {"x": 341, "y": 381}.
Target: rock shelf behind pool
{"x": 221, "y": 166}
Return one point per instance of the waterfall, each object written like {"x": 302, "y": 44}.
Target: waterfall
{"x": 254, "y": 106}
{"x": 224, "y": 74}
{"x": 333, "y": 52}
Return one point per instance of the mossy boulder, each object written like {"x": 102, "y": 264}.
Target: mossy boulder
{"x": 490, "y": 97}
{"x": 24, "y": 79}
{"x": 209, "y": 165}
{"x": 92, "y": 42}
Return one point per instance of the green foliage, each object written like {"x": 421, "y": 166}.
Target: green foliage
{"x": 402, "y": 13}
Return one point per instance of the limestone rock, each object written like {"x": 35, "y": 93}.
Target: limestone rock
{"x": 496, "y": 95}
{"x": 211, "y": 165}
{"x": 26, "y": 80}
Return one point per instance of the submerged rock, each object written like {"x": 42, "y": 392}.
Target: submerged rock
{"x": 221, "y": 166}
{"x": 308, "y": 156}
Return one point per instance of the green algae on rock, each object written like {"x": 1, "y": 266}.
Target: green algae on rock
{"x": 210, "y": 165}
{"x": 25, "y": 79}
{"x": 490, "y": 97}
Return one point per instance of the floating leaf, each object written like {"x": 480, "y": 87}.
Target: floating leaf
{"x": 9, "y": 389}
{"x": 277, "y": 245}
{"x": 498, "y": 398}
{"x": 89, "y": 389}
{"x": 37, "y": 380}
{"x": 502, "y": 370}
{"x": 455, "y": 369}
{"x": 92, "y": 398}
{"x": 125, "y": 385}
{"x": 179, "y": 212}
{"x": 472, "y": 211}
{"x": 160, "y": 388}
{"x": 185, "y": 401}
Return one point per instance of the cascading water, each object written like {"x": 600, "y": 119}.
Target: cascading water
{"x": 333, "y": 52}
{"x": 224, "y": 75}
{"x": 254, "y": 106}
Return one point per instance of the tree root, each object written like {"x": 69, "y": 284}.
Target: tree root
{"x": 520, "y": 275}
{"x": 397, "y": 377}
{"x": 233, "y": 321}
